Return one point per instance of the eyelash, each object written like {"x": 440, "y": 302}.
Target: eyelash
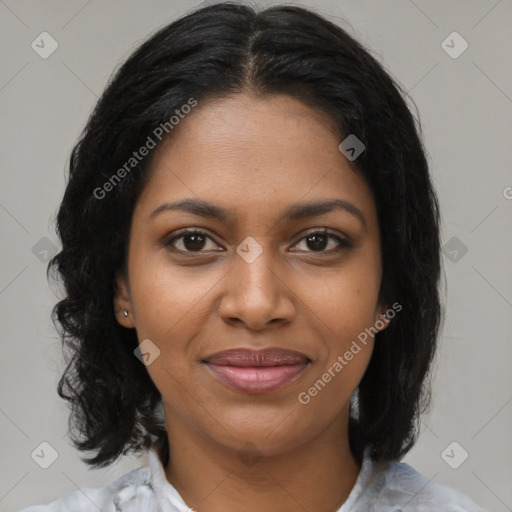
{"x": 343, "y": 243}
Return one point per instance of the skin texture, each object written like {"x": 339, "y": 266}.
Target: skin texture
{"x": 254, "y": 156}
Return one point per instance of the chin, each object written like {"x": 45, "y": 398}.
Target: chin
{"x": 265, "y": 436}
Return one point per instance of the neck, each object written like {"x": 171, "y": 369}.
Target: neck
{"x": 316, "y": 475}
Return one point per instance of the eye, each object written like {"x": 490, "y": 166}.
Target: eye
{"x": 318, "y": 241}
{"x": 191, "y": 240}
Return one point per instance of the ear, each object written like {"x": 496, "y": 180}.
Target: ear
{"x": 381, "y": 321}
{"x": 122, "y": 302}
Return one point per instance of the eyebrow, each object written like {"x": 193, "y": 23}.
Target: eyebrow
{"x": 294, "y": 212}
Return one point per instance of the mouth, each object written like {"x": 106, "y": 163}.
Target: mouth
{"x": 257, "y": 371}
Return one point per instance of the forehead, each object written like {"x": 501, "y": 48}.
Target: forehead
{"x": 246, "y": 153}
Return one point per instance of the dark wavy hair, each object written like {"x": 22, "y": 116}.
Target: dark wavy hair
{"x": 219, "y": 51}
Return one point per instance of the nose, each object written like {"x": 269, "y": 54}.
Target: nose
{"x": 257, "y": 294}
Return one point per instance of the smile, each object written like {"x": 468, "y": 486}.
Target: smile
{"x": 260, "y": 371}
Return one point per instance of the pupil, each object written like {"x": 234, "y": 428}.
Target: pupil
{"x": 197, "y": 242}
{"x": 316, "y": 244}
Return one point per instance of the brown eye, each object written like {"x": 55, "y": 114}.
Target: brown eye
{"x": 318, "y": 241}
{"x": 189, "y": 241}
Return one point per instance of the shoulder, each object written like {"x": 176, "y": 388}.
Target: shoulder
{"x": 405, "y": 488}
{"x": 131, "y": 487}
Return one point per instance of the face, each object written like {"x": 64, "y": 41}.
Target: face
{"x": 256, "y": 277}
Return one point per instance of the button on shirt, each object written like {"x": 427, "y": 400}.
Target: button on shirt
{"x": 380, "y": 487}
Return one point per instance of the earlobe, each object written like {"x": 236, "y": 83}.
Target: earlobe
{"x": 382, "y": 320}
{"x": 122, "y": 303}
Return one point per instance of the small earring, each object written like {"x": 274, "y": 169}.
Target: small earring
{"x": 125, "y": 313}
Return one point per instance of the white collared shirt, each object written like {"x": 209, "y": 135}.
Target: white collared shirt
{"x": 380, "y": 487}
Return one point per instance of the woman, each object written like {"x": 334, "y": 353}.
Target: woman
{"x": 251, "y": 258}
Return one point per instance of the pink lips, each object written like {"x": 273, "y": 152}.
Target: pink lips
{"x": 259, "y": 371}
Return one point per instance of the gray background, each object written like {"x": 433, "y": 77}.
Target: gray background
{"x": 465, "y": 107}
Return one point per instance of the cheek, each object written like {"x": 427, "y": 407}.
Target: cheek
{"x": 344, "y": 331}
{"x": 343, "y": 310}
{"x": 344, "y": 301}
{"x": 330, "y": 389}
{"x": 166, "y": 300}
{"x": 170, "y": 305}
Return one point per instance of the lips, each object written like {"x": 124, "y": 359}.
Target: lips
{"x": 257, "y": 371}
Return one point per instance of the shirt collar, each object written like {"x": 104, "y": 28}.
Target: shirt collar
{"x": 362, "y": 482}
{"x": 168, "y": 497}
